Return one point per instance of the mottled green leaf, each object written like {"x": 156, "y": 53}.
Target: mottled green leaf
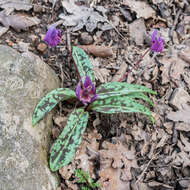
{"x": 65, "y": 146}
{"x": 119, "y": 104}
{"x": 82, "y": 62}
{"x": 49, "y": 101}
{"x": 140, "y": 95}
{"x": 120, "y": 88}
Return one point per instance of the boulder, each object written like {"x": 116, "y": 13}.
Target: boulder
{"x": 24, "y": 79}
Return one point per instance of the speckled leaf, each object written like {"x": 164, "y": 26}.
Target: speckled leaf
{"x": 142, "y": 96}
{"x": 48, "y": 102}
{"x": 120, "y": 88}
{"x": 65, "y": 146}
{"x": 120, "y": 104}
{"x": 82, "y": 62}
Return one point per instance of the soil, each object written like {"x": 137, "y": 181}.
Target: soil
{"x": 124, "y": 151}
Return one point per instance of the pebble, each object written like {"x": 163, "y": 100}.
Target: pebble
{"x": 86, "y": 39}
{"x": 41, "y": 47}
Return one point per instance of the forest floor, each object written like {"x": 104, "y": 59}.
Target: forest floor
{"x": 123, "y": 151}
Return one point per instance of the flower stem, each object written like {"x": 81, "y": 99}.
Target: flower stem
{"x": 136, "y": 64}
{"x": 69, "y": 49}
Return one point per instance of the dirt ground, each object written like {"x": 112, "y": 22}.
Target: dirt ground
{"x": 123, "y": 151}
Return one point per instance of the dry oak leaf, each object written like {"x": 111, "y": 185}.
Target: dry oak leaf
{"x": 116, "y": 162}
{"x": 142, "y": 8}
{"x": 181, "y": 115}
{"x": 110, "y": 180}
{"x": 18, "y": 21}
{"x": 16, "y": 4}
{"x": 98, "y": 51}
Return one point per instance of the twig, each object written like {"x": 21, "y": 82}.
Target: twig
{"x": 139, "y": 75}
{"x": 109, "y": 22}
{"x": 136, "y": 64}
{"x": 174, "y": 24}
{"x": 69, "y": 49}
{"x": 142, "y": 174}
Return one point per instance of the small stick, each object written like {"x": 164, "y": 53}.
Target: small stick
{"x": 174, "y": 24}
{"x": 136, "y": 64}
{"x": 142, "y": 174}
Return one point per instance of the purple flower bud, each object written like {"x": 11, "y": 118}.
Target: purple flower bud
{"x": 157, "y": 44}
{"x": 86, "y": 92}
{"x": 53, "y": 36}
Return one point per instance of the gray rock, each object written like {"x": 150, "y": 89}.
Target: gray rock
{"x": 24, "y": 79}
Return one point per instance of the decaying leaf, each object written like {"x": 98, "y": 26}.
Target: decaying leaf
{"x": 16, "y": 4}
{"x": 181, "y": 115}
{"x": 142, "y": 8}
{"x": 80, "y": 16}
{"x": 18, "y": 21}
{"x": 98, "y": 51}
{"x": 116, "y": 161}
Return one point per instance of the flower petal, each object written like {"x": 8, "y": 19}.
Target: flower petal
{"x": 53, "y": 36}
{"x": 94, "y": 98}
{"x": 154, "y": 35}
{"x": 87, "y": 82}
{"x": 78, "y": 90}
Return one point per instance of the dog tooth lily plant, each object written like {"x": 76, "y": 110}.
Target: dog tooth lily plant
{"x": 108, "y": 98}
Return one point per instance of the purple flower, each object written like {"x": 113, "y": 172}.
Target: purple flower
{"x": 157, "y": 44}
{"x": 53, "y": 36}
{"x": 86, "y": 92}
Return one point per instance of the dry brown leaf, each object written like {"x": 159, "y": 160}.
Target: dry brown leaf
{"x": 98, "y": 51}
{"x": 137, "y": 31}
{"x": 182, "y": 127}
{"x": 185, "y": 55}
{"x": 142, "y": 8}
{"x": 109, "y": 180}
{"x": 18, "y": 21}
{"x": 116, "y": 161}
{"x": 120, "y": 72}
{"x": 185, "y": 142}
{"x": 181, "y": 115}
{"x": 16, "y": 4}
{"x": 179, "y": 98}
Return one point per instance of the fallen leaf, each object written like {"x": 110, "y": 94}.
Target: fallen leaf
{"x": 18, "y": 21}
{"x": 142, "y": 8}
{"x": 16, "y": 4}
{"x": 185, "y": 143}
{"x": 182, "y": 127}
{"x": 179, "y": 98}
{"x": 101, "y": 74}
{"x": 116, "y": 161}
{"x": 137, "y": 30}
{"x": 98, "y": 51}
{"x": 3, "y": 30}
{"x": 181, "y": 115}
{"x": 185, "y": 55}
{"x": 80, "y": 16}
{"x": 120, "y": 72}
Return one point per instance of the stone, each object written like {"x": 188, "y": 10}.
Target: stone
{"x": 86, "y": 39}
{"x": 42, "y": 47}
{"x": 24, "y": 79}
